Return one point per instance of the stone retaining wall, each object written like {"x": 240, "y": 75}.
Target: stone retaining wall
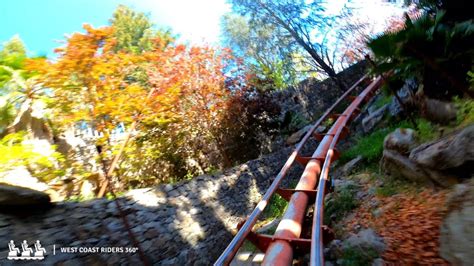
{"x": 311, "y": 97}
{"x": 189, "y": 223}
{"x": 182, "y": 224}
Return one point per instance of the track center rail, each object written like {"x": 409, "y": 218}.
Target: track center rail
{"x": 280, "y": 247}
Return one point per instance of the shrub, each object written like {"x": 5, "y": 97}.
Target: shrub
{"x": 340, "y": 204}
{"x": 369, "y": 147}
{"x": 425, "y": 130}
{"x": 251, "y": 118}
{"x": 465, "y": 115}
{"x": 355, "y": 256}
{"x": 383, "y": 100}
{"x": 432, "y": 48}
{"x": 15, "y": 153}
{"x": 276, "y": 207}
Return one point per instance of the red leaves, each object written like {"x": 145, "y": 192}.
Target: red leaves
{"x": 410, "y": 226}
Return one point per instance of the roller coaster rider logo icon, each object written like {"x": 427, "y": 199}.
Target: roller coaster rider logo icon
{"x": 27, "y": 252}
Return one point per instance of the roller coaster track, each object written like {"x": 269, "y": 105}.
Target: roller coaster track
{"x": 311, "y": 189}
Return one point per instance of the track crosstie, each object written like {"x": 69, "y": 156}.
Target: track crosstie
{"x": 313, "y": 185}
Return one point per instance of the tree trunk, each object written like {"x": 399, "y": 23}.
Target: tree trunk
{"x": 312, "y": 52}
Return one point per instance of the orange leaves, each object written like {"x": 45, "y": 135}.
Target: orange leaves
{"x": 90, "y": 81}
{"x": 197, "y": 72}
{"x": 410, "y": 226}
{"x": 93, "y": 82}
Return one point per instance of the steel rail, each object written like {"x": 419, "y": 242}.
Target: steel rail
{"x": 316, "y": 254}
{"x": 280, "y": 251}
{"x": 229, "y": 253}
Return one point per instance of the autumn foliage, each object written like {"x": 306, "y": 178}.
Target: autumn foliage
{"x": 178, "y": 95}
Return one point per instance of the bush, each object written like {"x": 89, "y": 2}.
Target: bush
{"x": 15, "y": 153}
{"x": 276, "y": 207}
{"x": 465, "y": 115}
{"x": 383, "y": 100}
{"x": 425, "y": 130}
{"x": 369, "y": 147}
{"x": 340, "y": 204}
{"x": 355, "y": 256}
{"x": 293, "y": 122}
{"x": 434, "y": 48}
{"x": 251, "y": 119}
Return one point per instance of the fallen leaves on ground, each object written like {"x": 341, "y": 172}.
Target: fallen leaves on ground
{"x": 409, "y": 224}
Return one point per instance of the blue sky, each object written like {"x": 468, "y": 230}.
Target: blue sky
{"x": 42, "y": 24}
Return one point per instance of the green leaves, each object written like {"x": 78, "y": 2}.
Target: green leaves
{"x": 429, "y": 48}
{"x": 134, "y": 31}
{"x": 16, "y": 152}
{"x": 13, "y": 53}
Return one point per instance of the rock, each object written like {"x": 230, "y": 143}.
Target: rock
{"x": 399, "y": 166}
{"x": 351, "y": 165}
{"x": 20, "y": 176}
{"x": 370, "y": 121}
{"x": 334, "y": 250}
{"x": 14, "y": 196}
{"x": 398, "y": 144}
{"x": 298, "y": 135}
{"x": 378, "y": 262}
{"x": 30, "y": 118}
{"x": 448, "y": 152}
{"x": 168, "y": 187}
{"x": 438, "y": 111}
{"x": 365, "y": 239}
{"x": 405, "y": 94}
{"x": 80, "y": 148}
{"x": 377, "y": 212}
{"x": 87, "y": 189}
{"x": 371, "y": 107}
{"x": 360, "y": 195}
{"x": 147, "y": 197}
{"x": 342, "y": 184}
{"x": 457, "y": 230}
{"x": 4, "y": 222}
{"x": 402, "y": 140}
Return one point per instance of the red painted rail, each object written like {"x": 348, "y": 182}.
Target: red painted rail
{"x": 317, "y": 257}
{"x": 279, "y": 247}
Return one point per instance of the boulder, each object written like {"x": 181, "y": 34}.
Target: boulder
{"x": 406, "y": 95}
{"x": 372, "y": 119}
{"x": 365, "y": 239}
{"x": 397, "y": 165}
{"x": 448, "y": 152}
{"x": 298, "y": 135}
{"x": 351, "y": 165}
{"x": 344, "y": 184}
{"x": 14, "y": 196}
{"x": 457, "y": 230}
{"x": 378, "y": 262}
{"x": 438, "y": 111}
{"x": 30, "y": 118}
{"x": 402, "y": 140}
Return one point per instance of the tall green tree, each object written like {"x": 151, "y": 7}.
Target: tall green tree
{"x": 306, "y": 22}
{"x": 18, "y": 86}
{"x": 134, "y": 31}
{"x": 256, "y": 44}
